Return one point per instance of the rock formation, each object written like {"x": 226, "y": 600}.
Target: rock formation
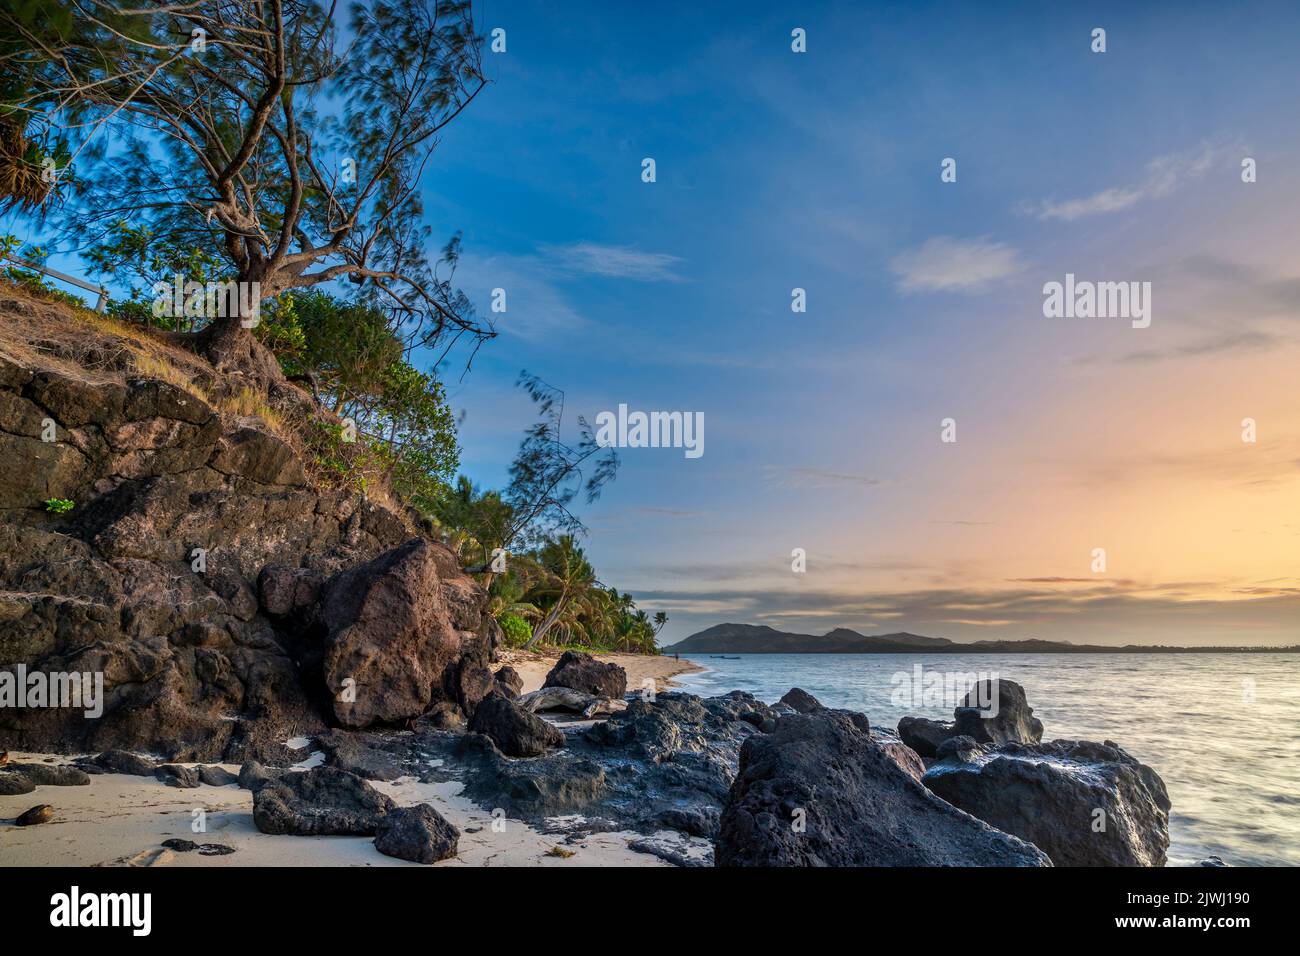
{"x": 1082, "y": 803}
{"x": 224, "y": 595}
{"x": 583, "y": 672}
{"x": 818, "y": 791}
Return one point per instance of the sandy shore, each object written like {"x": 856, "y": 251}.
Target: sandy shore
{"x": 533, "y": 667}
{"x": 121, "y": 820}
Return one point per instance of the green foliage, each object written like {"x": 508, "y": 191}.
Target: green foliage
{"x": 348, "y": 345}
{"x": 59, "y": 506}
{"x": 414, "y": 433}
{"x": 281, "y": 331}
{"x": 517, "y": 631}
{"x": 28, "y": 279}
{"x": 144, "y": 261}
{"x": 133, "y": 311}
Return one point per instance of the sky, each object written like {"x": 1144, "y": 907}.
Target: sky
{"x": 778, "y": 170}
{"x": 821, "y": 170}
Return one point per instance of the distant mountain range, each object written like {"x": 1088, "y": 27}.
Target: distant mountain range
{"x": 761, "y": 639}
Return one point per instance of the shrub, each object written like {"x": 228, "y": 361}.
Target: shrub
{"x": 516, "y": 629}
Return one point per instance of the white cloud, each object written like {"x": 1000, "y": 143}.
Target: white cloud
{"x": 946, "y": 264}
{"x": 620, "y": 262}
{"x": 1164, "y": 175}
{"x": 535, "y": 309}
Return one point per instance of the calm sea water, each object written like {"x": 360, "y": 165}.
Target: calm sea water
{"x": 1223, "y": 730}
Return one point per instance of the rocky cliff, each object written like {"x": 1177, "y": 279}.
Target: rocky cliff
{"x": 230, "y": 599}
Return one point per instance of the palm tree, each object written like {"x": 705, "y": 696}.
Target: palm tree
{"x": 569, "y": 581}
{"x": 661, "y": 618}
{"x": 509, "y": 597}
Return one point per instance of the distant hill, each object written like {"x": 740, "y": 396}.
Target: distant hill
{"x": 761, "y": 639}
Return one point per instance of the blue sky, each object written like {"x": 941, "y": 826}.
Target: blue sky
{"x": 820, "y": 170}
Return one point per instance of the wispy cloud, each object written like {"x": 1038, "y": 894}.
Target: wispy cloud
{"x": 619, "y": 262}
{"x": 816, "y": 477}
{"x": 947, "y": 264}
{"x": 1164, "y": 175}
{"x": 535, "y": 309}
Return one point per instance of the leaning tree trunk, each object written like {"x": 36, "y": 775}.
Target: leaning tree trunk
{"x": 546, "y": 624}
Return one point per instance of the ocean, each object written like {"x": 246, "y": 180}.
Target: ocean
{"x": 1222, "y": 730}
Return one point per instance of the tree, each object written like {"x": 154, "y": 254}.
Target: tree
{"x": 661, "y": 618}
{"x": 548, "y": 473}
{"x": 479, "y": 522}
{"x": 248, "y": 128}
{"x": 568, "y": 583}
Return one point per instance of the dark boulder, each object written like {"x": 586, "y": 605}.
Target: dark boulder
{"x": 445, "y": 715}
{"x": 514, "y": 730}
{"x": 924, "y": 735}
{"x": 800, "y": 700}
{"x": 470, "y": 681}
{"x": 35, "y": 816}
{"x": 174, "y": 775}
{"x": 960, "y": 748}
{"x": 322, "y": 801}
{"x": 419, "y": 834}
{"x": 996, "y": 711}
{"x": 203, "y": 849}
{"x": 1082, "y": 803}
{"x": 393, "y": 634}
{"x": 215, "y": 776}
{"x": 52, "y": 775}
{"x": 583, "y": 672}
{"x": 368, "y": 756}
{"x": 701, "y": 821}
{"x": 13, "y": 783}
{"x": 908, "y": 760}
{"x": 509, "y": 681}
{"x": 549, "y": 788}
{"x": 253, "y": 776}
{"x": 818, "y": 791}
{"x": 119, "y": 761}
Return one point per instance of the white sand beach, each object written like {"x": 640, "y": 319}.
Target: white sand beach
{"x": 533, "y": 667}
{"x": 121, "y": 820}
